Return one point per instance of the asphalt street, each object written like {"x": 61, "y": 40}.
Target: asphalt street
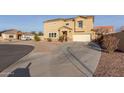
{"x": 10, "y": 53}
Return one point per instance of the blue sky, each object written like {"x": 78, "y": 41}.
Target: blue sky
{"x": 35, "y": 22}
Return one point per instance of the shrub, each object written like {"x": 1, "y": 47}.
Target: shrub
{"x": 61, "y": 38}
{"x": 110, "y": 43}
{"x": 49, "y": 39}
{"x": 99, "y": 39}
{"x": 36, "y": 37}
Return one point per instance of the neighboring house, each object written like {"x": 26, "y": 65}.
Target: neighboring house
{"x": 27, "y": 36}
{"x": 75, "y": 29}
{"x": 12, "y": 34}
{"x": 102, "y": 30}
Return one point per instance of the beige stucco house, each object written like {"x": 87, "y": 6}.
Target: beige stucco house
{"x": 11, "y": 34}
{"x": 75, "y": 29}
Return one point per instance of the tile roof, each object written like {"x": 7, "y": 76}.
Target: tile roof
{"x": 103, "y": 27}
{"x": 10, "y": 31}
{"x": 54, "y": 20}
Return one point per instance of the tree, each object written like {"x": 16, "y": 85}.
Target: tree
{"x": 33, "y": 32}
{"x": 40, "y": 33}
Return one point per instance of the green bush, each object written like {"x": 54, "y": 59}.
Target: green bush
{"x": 49, "y": 39}
{"x": 36, "y": 37}
{"x": 61, "y": 38}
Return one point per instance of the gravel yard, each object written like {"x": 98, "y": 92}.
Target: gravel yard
{"x": 110, "y": 65}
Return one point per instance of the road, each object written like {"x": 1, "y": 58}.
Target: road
{"x": 10, "y": 54}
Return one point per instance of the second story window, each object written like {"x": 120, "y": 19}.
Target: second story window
{"x": 80, "y": 24}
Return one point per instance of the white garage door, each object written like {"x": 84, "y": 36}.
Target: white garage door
{"x": 82, "y": 38}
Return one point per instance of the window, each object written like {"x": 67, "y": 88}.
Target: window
{"x": 67, "y": 24}
{"x": 80, "y": 24}
{"x": 52, "y": 34}
{"x": 11, "y": 36}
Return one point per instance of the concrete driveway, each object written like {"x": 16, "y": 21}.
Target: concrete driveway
{"x": 65, "y": 60}
{"x": 10, "y": 54}
{"x": 83, "y": 56}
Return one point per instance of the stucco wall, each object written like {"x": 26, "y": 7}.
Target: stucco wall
{"x": 1, "y": 38}
{"x": 52, "y": 27}
{"x": 71, "y": 24}
{"x": 87, "y": 24}
{"x": 6, "y": 36}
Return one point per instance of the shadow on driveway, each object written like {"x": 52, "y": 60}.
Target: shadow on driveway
{"x": 21, "y": 72}
{"x": 94, "y": 46}
{"x": 10, "y": 54}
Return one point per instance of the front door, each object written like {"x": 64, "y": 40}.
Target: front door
{"x": 65, "y": 35}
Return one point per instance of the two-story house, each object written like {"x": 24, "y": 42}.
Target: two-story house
{"x": 75, "y": 29}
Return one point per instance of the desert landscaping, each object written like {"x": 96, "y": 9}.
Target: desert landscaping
{"x": 112, "y": 64}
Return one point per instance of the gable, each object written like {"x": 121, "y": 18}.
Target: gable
{"x": 64, "y": 27}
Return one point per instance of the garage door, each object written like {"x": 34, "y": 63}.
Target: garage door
{"x": 82, "y": 38}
